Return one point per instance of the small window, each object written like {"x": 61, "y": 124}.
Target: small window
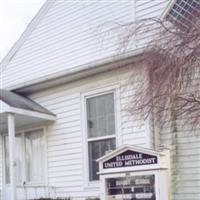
{"x": 101, "y": 129}
{"x": 184, "y": 12}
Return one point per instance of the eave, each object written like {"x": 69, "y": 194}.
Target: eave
{"x": 77, "y": 73}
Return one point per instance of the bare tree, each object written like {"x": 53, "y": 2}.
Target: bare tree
{"x": 172, "y": 60}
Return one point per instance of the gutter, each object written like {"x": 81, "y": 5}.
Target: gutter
{"x": 77, "y": 73}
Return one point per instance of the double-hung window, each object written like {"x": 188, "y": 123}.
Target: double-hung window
{"x": 29, "y": 157}
{"x": 100, "y": 129}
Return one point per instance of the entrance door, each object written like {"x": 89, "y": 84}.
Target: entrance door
{"x": 29, "y": 164}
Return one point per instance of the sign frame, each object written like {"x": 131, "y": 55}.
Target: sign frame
{"x": 107, "y": 176}
{"x": 130, "y": 158}
{"x": 160, "y": 169}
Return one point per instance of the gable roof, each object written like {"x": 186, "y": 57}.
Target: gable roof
{"x": 64, "y": 36}
{"x": 31, "y": 26}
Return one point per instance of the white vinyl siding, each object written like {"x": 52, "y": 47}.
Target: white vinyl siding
{"x": 65, "y": 144}
{"x": 184, "y": 142}
{"x": 82, "y": 33}
{"x": 88, "y": 32}
{"x": 67, "y": 40}
{"x": 146, "y": 9}
{"x": 185, "y": 162}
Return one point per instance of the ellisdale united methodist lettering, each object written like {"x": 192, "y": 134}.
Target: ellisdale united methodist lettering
{"x": 130, "y": 158}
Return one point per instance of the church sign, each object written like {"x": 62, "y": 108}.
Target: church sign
{"x": 130, "y": 158}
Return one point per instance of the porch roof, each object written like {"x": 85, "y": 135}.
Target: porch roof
{"x": 27, "y": 112}
{"x": 18, "y": 101}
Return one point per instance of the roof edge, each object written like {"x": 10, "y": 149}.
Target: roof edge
{"x": 4, "y": 107}
{"x": 36, "y": 114}
{"x": 125, "y": 147}
{"x": 28, "y": 30}
{"x": 12, "y": 101}
{"x": 83, "y": 71}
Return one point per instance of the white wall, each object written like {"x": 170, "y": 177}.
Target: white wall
{"x": 74, "y": 33}
{"x": 184, "y": 141}
{"x": 150, "y": 8}
{"x": 65, "y": 144}
{"x": 185, "y": 162}
{"x": 71, "y": 34}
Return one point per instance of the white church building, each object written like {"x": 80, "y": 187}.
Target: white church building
{"x": 64, "y": 129}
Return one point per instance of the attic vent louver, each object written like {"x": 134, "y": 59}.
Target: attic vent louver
{"x": 184, "y": 12}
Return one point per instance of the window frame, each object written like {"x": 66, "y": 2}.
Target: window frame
{"x": 24, "y": 179}
{"x": 115, "y": 89}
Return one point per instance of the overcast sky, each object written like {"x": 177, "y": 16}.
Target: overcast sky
{"x": 14, "y": 17}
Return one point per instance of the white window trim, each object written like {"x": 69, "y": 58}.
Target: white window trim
{"x": 101, "y": 138}
{"x": 115, "y": 89}
{"x": 22, "y": 133}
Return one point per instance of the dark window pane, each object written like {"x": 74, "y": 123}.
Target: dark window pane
{"x": 96, "y": 150}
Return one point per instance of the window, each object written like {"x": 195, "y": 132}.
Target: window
{"x": 30, "y": 148}
{"x": 100, "y": 129}
{"x": 184, "y": 12}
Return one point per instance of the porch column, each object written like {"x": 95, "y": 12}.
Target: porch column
{"x": 11, "y": 139}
